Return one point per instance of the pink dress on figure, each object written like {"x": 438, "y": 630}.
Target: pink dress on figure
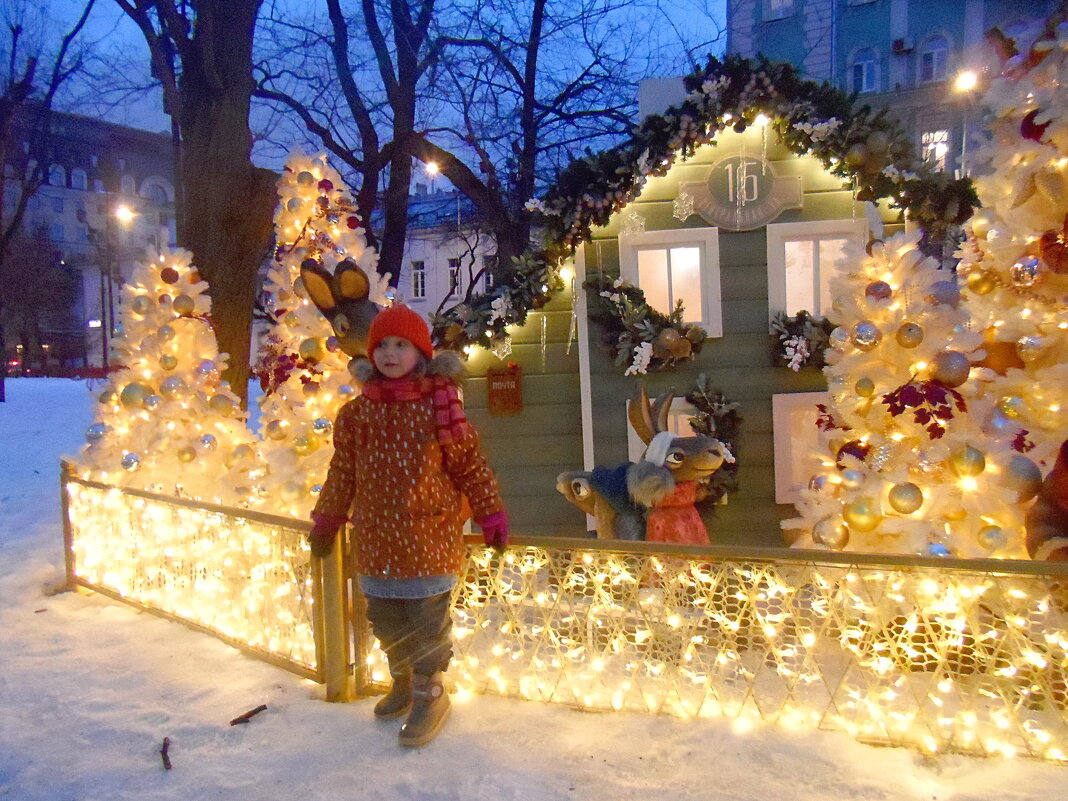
{"x": 675, "y": 519}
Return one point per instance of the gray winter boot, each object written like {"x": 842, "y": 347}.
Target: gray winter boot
{"x": 430, "y": 710}
{"x": 399, "y": 698}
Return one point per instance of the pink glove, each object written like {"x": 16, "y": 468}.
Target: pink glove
{"x": 495, "y": 529}
{"x": 323, "y": 534}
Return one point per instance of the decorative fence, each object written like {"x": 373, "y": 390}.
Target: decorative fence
{"x": 938, "y": 655}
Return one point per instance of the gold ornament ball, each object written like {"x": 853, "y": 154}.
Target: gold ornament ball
{"x": 311, "y": 389}
{"x": 108, "y": 397}
{"x": 1012, "y": 406}
{"x": 167, "y": 362}
{"x": 905, "y": 498}
{"x": 312, "y": 349}
{"x": 141, "y": 305}
{"x": 851, "y": 479}
{"x": 187, "y": 453}
{"x": 220, "y": 404}
{"x": 305, "y": 445}
{"x": 238, "y": 455}
{"x": 832, "y": 533}
{"x": 862, "y": 515}
{"x": 981, "y": 282}
{"x": 1030, "y": 348}
{"x": 992, "y": 538}
{"x": 133, "y": 395}
{"x": 184, "y": 305}
{"x": 951, "y": 367}
{"x": 1022, "y": 477}
{"x": 909, "y": 335}
{"x": 956, "y": 515}
{"x": 276, "y": 430}
{"x": 967, "y": 462}
{"x": 865, "y": 387}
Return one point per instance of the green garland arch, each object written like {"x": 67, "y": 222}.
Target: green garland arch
{"x": 864, "y": 148}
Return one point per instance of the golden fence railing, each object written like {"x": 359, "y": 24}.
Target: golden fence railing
{"x": 935, "y": 654}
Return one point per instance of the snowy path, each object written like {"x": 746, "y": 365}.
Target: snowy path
{"x": 89, "y": 689}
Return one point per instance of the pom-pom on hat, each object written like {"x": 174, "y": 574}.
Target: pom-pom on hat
{"x": 399, "y": 320}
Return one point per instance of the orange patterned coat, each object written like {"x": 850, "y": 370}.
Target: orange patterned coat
{"x": 405, "y": 490}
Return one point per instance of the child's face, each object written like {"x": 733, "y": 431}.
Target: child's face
{"x": 395, "y": 357}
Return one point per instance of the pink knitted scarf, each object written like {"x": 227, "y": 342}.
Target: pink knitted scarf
{"x": 448, "y": 404}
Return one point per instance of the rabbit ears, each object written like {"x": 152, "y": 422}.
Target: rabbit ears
{"x": 649, "y": 419}
{"x": 326, "y": 291}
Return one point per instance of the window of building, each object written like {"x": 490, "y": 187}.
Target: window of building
{"x": 934, "y": 59}
{"x": 26, "y": 147}
{"x": 777, "y": 9}
{"x": 801, "y": 260}
{"x": 156, "y": 194}
{"x": 418, "y": 280}
{"x": 679, "y": 416}
{"x": 127, "y": 185}
{"x": 94, "y": 160}
{"x": 57, "y": 233}
{"x": 934, "y": 147}
{"x": 489, "y": 268}
{"x": 57, "y": 176}
{"x": 865, "y": 71}
{"x": 78, "y": 179}
{"x": 796, "y": 442}
{"x": 57, "y": 205}
{"x": 455, "y": 278}
{"x": 122, "y": 164}
{"x": 98, "y": 185}
{"x": 670, "y": 266}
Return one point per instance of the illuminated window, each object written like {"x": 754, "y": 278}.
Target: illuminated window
{"x": 865, "y": 71}
{"x": 801, "y": 260}
{"x": 934, "y": 59}
{"x": 934, "y": 145}
{"x": 127, "y": 185}
{"x": 489, "y": 269}
{"x": 455, "y": 278}
{"x": 418, "y": 280}
{"x": 78, "y": 179}
{"x": 57, "y": 176}
{"x": 669, "y": 266}
{"x": 679, "y": 416}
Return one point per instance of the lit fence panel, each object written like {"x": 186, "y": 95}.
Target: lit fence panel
{"x": 939, "y": 655}
{"x": 923, "y": 655}
{"x": 244, "y": 577}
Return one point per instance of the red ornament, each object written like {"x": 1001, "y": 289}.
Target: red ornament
{"x": 1053, "y": 249}
{"x": 326, "y": 185}
{"x": 1029, "y": 129}
{"x": 878, "y": 290}
{"x": 352, "y": 222}
{"x": 855, "y": 448}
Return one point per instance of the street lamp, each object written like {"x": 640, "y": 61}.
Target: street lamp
{"x": 965, "y": 82}
{"x": 108, "y": 258}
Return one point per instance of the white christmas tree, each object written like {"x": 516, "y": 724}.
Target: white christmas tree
{"x": 1014, "y": 263}
{"x": 165, "y": 422}
{"x": 302, "y": 367}
{"x": 910, "y": 468}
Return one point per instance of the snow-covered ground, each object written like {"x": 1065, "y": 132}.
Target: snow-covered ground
{"x": 89, "y": 689}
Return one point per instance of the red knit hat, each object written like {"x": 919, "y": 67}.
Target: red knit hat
{"x": 400, "y": 321}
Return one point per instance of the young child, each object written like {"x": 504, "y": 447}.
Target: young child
{"x": 407, "y": 463}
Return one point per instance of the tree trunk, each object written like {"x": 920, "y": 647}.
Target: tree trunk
{"x": 227, "y": 203}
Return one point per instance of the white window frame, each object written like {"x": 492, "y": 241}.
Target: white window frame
{"x": 778, "y": 9}
{"x": 57, "y": 175}
{"x": 680, "y": 413}
{"x": 79, "y": 179}
{"x": 870, "y": 69}
{"x": 707, "y": 239}
{"x": 778, "y": 234}
{"x": 927, "y": 147}
{"x": 797, "y": 442}
{"x": 418, "y": 279}
{"x": 926, "y": 50}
